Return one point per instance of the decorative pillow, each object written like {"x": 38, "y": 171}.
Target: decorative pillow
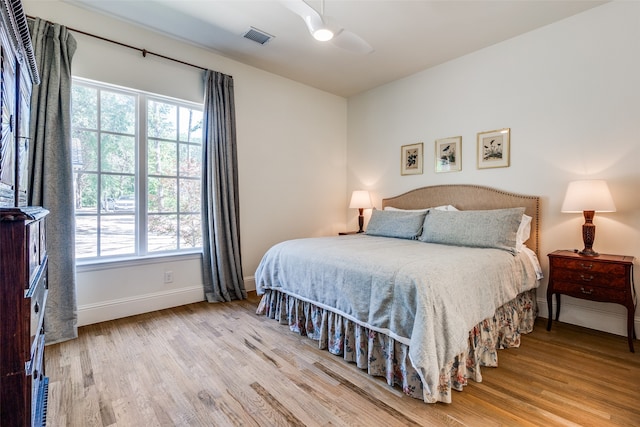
{"x": 401, "y": 224}
{"x": 524, "y": 231}
{"x": 495, "y": 228}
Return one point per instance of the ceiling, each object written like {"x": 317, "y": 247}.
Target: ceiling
{"x": 407, "y": 35}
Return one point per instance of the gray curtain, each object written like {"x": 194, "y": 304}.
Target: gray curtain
{"x": 50, "y": 171}
{"x": 222, "y": 267}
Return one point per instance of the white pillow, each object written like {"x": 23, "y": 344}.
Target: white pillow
{"x": 524, "y": 231}
{"x": 439, "y": 208}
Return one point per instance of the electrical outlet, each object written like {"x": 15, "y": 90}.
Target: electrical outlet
{"x": 168, "y": 276}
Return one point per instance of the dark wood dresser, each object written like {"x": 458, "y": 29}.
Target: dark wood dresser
{"x": 23, "y": 298}
{"x": 23, "y": 253}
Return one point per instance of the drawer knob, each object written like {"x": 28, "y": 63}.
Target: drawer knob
{"x": 586, "y": 266}
{"x": 584, "y": 291}
{"x": 586, "y": 278}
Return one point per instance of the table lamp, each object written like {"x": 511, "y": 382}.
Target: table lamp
{"x": 361, "y": 200}
{"x": 588, "y": 197}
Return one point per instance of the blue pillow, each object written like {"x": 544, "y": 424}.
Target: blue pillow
{"x": 495, "y": 228}
{"x": 400, "y": 224}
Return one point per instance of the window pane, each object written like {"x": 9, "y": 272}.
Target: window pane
{"x": 162, "y": 158}
{"x": 86, "y": 236}
{"x": 190, "y": 160}
{"x": 117, "y": 235}
{"x": 121, "y": 189}
{"x": 163, "y": 232}
{"x": 190, "y": 231}
{"x": 190, "y": 195}
{"x": 162, "y": 120}
{"x": 190, "y": 125}
{"x": 163, "y": 195}
{"x": 84, "y": 103}
{"x": 85, "y": 150}
{"x": 118, "y": 112}
{"x": 118, "y": 153}
{"x": 86, "y": 194}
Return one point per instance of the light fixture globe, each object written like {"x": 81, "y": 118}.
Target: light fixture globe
{"x": 323, "y": 34}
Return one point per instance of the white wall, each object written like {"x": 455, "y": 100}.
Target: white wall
{"x": 568, "y": 91}
{"x": 291, "y": 155}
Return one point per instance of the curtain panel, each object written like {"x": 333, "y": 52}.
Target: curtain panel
{"x": 51, "y": 173}
{"x": 222, "y": 266}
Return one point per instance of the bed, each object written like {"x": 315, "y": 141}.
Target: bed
{"x": 443, "y": 277}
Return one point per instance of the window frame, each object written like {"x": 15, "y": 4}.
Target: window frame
{"x": 141, "y": 181}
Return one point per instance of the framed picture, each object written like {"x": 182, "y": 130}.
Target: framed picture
{"x": 411, "y": 159}
{"x": 449, "y": 154}
{"x": 494, "y": 148}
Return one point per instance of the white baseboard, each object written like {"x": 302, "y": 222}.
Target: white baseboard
{"x": 590, "y": 317}
{"x": 250, "y": 283}
{"x": 124, "y": 307}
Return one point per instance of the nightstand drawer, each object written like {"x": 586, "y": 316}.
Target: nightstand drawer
{"x": 590, "y": 292}
{"x": 591, "y": 278}
{"x": 587, "y": 265}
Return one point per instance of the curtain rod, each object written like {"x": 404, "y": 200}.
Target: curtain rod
{"x": 144, "y": 52}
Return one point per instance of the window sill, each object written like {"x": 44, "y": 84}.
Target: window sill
{"x": 106, "y": 264}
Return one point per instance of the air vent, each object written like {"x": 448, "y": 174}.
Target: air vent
{"x": 257, "y": 36}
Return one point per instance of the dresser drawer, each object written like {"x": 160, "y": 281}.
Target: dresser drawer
{"x": 590, "y": 278}
{"x": 33, "y": 249}
{"x": 593, "y": 293}
{"x": 35, "y": 373}
{"x": 43, "y": 240}
{"x": 37, "y": 297}
{"x": 586, "y": 265}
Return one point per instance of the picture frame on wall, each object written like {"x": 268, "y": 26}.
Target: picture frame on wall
{"x": 494, "y": 148}
{"x": 449, "y": 154}
{"x": 411, "y": 159}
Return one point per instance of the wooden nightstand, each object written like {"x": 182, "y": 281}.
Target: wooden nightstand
{"x": 604, "y": 278}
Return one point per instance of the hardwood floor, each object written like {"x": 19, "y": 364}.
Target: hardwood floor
{"x": 222, "y": 365}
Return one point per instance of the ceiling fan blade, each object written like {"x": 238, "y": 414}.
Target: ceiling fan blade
{"x": 315, "y": 21}
{"x": 311, "y": 18}
{"x": 351, "y": 42}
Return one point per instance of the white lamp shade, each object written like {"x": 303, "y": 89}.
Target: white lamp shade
{"x": 360, "y": 199}
{"x": 588, "y": 195}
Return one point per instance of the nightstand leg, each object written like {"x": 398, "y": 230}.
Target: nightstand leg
{"x": 557, "y": 307}
{"x": 631, "y": 331}
{"x": 550, "y": 310}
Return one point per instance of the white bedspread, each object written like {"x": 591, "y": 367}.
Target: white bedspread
{"x": 425, "y": 295}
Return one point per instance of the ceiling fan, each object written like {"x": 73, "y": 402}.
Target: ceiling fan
{"x": 322, "y": 30}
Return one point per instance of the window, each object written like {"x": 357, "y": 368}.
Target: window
{"x": 136, "y": 160}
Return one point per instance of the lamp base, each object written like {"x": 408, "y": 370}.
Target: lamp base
{"x": 361, "y": 219}
{"x": 588, "y": 234}
{"x": 588, "y": 252}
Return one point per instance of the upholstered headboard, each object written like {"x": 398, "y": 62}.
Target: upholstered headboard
{"x": 470, "y": 197}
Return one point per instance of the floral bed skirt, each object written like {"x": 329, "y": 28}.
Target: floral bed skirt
{"x": 383, "y": 356}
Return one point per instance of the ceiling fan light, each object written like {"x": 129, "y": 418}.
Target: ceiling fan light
{"x": 323, "y": 34}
